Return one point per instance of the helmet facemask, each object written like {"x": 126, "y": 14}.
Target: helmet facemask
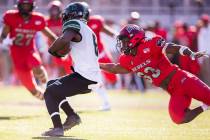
{"x": 123, "y": 45}
{"x": 25, "y": 7}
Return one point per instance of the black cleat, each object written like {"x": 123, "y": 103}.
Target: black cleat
{"x": 54, "y": 132}
{"x": 71, "y": 121}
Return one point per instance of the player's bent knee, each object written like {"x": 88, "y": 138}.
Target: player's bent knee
{"x": 178, "y": 120}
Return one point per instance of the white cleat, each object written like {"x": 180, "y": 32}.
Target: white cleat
{"x": 105, "y": 107}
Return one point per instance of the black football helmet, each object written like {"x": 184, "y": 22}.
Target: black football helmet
{"x": 25, "y": 7}
{"x": 76, "y": 10}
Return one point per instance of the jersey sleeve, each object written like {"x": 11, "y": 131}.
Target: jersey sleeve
{"x": 7, "y": 18}
{"x": 123, "y": 62}
{"x": 100, "y": 22}
{"x": 71, "y": 24}
{"x": 40, "y": 23}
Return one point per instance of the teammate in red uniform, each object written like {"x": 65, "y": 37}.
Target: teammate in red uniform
{"x": 147, "y": 58}
{"x": 54, "y": 22}
{"x": 22, "y": 25}
{"x": 96, "y": 23}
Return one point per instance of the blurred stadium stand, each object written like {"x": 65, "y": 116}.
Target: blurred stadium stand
{"x": 164, "y": 10}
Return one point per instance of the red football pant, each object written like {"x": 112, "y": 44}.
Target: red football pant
{"x": 182, "y": 88}
{"x": 23, "y": 66}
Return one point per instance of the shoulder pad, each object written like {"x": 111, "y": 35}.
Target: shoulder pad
{"x": 72, "y": 24}
{"x": 37, "y": 14}
{"x": 159, "y": 41}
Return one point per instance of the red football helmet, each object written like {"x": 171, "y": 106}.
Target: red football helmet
{"x": 55, "y": 8}
{"x": 130, "y": 37}
{"x": 25, "y": 7}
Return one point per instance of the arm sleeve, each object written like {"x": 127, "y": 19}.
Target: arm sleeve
{"x": 42, "y": 23}
{"x": 71, "y": 24}
{"x": 7, "y": 19}
{"x": 101, "y": 22}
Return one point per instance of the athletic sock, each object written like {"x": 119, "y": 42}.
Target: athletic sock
{"x": 66, "y": 108}
{"x": 56, "y": 120}
{"x": 205, "y": 107}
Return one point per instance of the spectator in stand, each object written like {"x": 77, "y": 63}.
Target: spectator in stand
{"x": 203, "y": 45}
{"x": 159, "y": 30}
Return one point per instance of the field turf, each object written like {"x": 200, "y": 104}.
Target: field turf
{"x": 134, "y": 116}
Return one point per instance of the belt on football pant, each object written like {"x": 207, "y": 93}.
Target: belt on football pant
{"x": 165, "y": 82}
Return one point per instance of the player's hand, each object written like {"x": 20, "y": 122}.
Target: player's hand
{"x": 8, "y": 41}
{"x": 195, "y": 55}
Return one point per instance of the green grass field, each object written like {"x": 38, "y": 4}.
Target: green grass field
{"x": 133, "y": 116}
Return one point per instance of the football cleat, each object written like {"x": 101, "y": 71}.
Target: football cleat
{"x": 54, "y": 132}
{"x": 71, "y": 121}
{"x": 105, "y": 107}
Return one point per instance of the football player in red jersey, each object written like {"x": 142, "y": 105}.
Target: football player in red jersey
{"x": 22, "y": 25}
{"x": 96, "y": 23}
{"x": 54, "y": 22}
{"x": 147, "y": 58}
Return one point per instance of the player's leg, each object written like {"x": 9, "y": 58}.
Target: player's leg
{"x": 56, "y": 94}
{"x": 34, "y": 62}
{"x": 197, "y": 89}
{"x": 64, "y": 102}
{"x": 192, "y": 114}
{"x": 52, "y": 104}
{"x": 27, "y": 79}
{"x": 100, "y": 90}
{"x": 178, "y": 106}
{"x": 40, "y": 73}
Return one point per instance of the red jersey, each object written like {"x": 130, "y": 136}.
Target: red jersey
{"x": 23, "y": 31}
{"x": 55, "y": 26}
{"x": 96, "y": 23}
{"x": 150, "y": 62}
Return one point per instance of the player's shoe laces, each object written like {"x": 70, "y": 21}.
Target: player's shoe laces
{"x": 71, "y": 121}
{"x": 54, "y": 132}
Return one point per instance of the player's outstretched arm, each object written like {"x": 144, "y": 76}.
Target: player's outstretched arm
{"x": 113, "y": 68}
{"x": 47, "y": 32}
{"x": 109, "y": 31}
{"x": 172, "y": 48}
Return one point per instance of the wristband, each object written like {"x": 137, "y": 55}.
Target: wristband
{"x": 55, "y": 54}
{"x": 182, "y": 49}
{"x": 192, "y": 55}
